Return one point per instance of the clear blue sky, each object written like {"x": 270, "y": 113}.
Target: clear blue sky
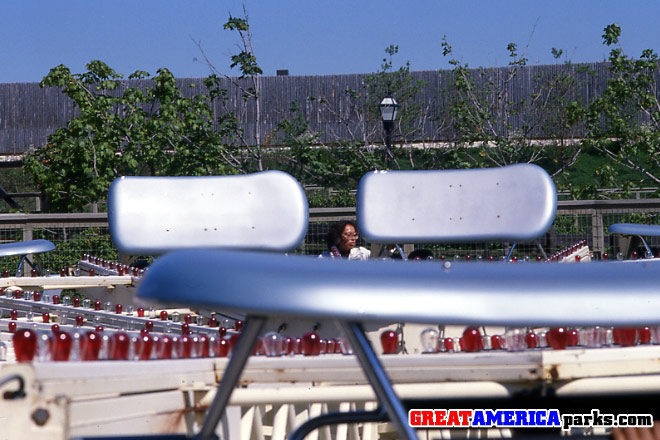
{"x": 309, "y": 36}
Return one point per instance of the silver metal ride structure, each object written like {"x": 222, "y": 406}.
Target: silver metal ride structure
{"x": 232, "y": 259}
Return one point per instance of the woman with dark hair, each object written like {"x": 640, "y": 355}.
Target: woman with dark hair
{"x": 341, "y": 240}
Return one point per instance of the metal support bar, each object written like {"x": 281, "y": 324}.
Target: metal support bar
{"x": 381, "y": 384}
{"x": 239, "y": 357}
{"x": 20, "y": 265}
{"x": 26, "y": 259}
{"x": 8, "y": 198}
{"x": 402, "y": 339}
{"x": 597, "y": 231}
{"x": 508, "y": 257}
{"x": 335, "y": 418}
{"x": 540, "y": 246}
{"x": 403, "y": 254}
{"x": 649, "y": 253}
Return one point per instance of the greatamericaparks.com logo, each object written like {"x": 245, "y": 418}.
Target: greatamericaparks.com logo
{"x": 522, "y": 418}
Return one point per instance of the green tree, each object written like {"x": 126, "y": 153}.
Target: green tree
{"x": 404, "y": 88}
{"x": 339, "y": 165}
{"x": 486, "y": 113}
{"x": 625, "y": 121}
{"x": 135, "y": 128}
{"x": 248, "y": 83}
{"x": 360, "y": 114}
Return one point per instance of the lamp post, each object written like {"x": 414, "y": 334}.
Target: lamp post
{"x": 388, "y": 110}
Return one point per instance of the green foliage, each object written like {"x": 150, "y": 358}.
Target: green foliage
{"x": 147, "y": 127}
{"x": 624, "y": 123}
{"x": 363, "y": 120}
{"x": 15, "y": 180}
{"x": 611, "y": 34}
{"x": 351, "y": 160}
{"x": 642, "y": 218}
{"x": 247, "y": 63}
{"x": 590, "y": 178}
{"x": 237, "y": 23}
{"x": 340, "y": 165}
{"x": 483, "y": 111}
{"x": 302, "y": 159}
{"x": 325, "y": 198}
{"x": 401, "y": 85}
{"x": 10, "y": 264}
{"x": 557, "y": 53}
{"x": 141, "y": 129}
{"x": 94, "y": 241}
{"x": 572, "y": 224}
{"x": 249, "y": 84}
{"x": 245, "y": 60}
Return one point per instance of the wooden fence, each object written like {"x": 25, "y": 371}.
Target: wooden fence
{"x": 29, "y": 113}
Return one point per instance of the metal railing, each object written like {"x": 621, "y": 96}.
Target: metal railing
{"x": 576, "y": 220}
{"x": 73, "y": 235}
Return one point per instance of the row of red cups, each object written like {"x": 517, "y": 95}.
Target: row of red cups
{"x": 557, "y": 338}
{"x": 121, "y": 269}
{"x": 58, "y": 344}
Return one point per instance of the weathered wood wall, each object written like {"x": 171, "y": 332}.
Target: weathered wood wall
{"x": 28, "y": 113}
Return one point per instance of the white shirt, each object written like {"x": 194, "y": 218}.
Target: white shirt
{"x": 357, "y": 253}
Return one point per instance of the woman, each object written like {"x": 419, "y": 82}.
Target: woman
{"x": 341, "y": 242}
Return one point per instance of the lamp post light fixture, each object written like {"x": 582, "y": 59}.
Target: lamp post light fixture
{"x": 388, "y": 110}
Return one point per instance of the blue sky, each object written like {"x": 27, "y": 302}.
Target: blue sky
{"x": 309, "y": 37}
